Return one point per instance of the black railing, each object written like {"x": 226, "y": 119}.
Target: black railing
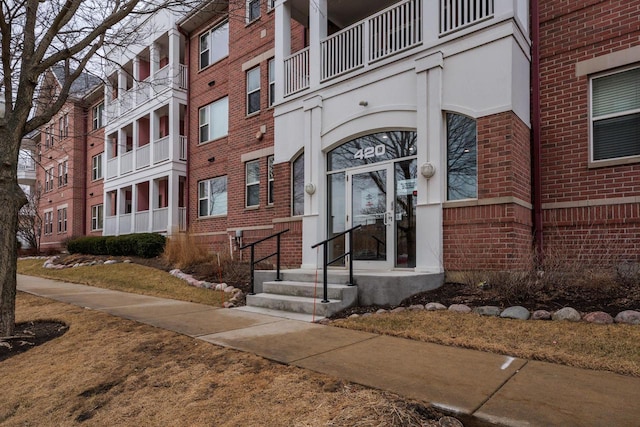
{"x": 254, "y": 261}
{"x": 325, "y": 255}
{"x": 378, "y": 244}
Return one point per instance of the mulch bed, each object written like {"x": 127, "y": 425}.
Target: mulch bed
{"x": 30, "y": 334}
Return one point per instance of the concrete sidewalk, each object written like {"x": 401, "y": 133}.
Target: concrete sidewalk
{"x": 481, "y": 388}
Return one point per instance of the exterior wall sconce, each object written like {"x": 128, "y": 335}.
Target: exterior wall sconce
{"x": 363, "y": 103}
{"x": 310, "y": 188}
{"x": 427, "y": 170}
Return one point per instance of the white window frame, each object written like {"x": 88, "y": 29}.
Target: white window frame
{"x": 97, "y": 217}
{"x": 297, "y": 185}
{"x": 216, "y": 127}
{"x": 63, "y": 173}
{"x": 253, "y": 183}
{"x": 619, "y": 114}
{"x": 216, "y": 37}
{"x": 98, "y": 116}
{"x": 270, "y": 180}
{"x": 96, "y": 167}
{"x": 465, "y": 152}
{"x": 205, "y": 193}
{"x": 271, "y": 4}
{"x": 62, "y": 220}
{"x": 48, "y": 179}
{"x": 248, "y": 8}
{"x": 252, "y": 88}
{"x": 271, "y": 66}
{"x": 48, "y": 222}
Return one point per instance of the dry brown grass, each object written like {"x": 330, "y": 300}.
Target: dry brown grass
{"x": 182, "y": 251}
{"x": 130, "y": 277}
{"x": 602, "y": 347}
{"x": 110, "y": 371}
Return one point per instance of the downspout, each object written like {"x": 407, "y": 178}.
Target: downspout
{"x": 85, "y": 153}
{"x": 187, "y": 60}
{"x": 535, "y": 130}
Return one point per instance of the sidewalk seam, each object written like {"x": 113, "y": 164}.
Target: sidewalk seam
{"x": 472, "y": 413}
{"x": 333, "y": 349}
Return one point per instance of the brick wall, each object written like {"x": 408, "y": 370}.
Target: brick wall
{"x": 572, "y": 32}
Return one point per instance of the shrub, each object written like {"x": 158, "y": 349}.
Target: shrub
{"x": 146, "y": 245}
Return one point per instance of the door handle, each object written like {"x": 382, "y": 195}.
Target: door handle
{"x": 388, "y": 218}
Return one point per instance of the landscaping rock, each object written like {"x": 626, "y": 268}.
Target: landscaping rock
{"x": 367, "y": 314}
{"x": 416, "y": 307}
{"x": 229, "y": 289}
{"x": 598, "y": 317}
{"x": 354, "y": 316}
{"x": 567, "y": 313}
{"x": 434, "y": 306}
{"x": 487, "y": 310}
{"x": 398, "y": 310}
{"x": 228, "y": 304}
{"x": 541, "y": 315}
{"x": 110, "y": 261}
{"x": 630, "y": 317}
{"x": 382, "y": 311}
{"x": 449, "y": 422}
{"x": 516, "y": 312}
{"x": 460, "y": 308}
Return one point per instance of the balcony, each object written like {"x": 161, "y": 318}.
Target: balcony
{"x": 26, "y": 173}
{"x": 142, "y": 157}
{"x": 385, "y": 34}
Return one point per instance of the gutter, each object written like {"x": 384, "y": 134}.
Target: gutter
{"x": 536, "y": 148}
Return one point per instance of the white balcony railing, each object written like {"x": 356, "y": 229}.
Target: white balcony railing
{"x": 125, "y": 224}
{"x": 112, "y": 168}
{"x": 160, "y": 219}
{"x": 161, "y": 77}
{"x": 183, "y": 76}
{"x": 183, "y": 147}
{"x": 142, "y": 222}
{"x": 457, "y": 14}
{"x": 143, "y": 156}
{"x": 126, "y": 101}
{"x": 143, "y": 93}
{"x": 126, "y": 164}
{"x": 394, "y": 30}
{"x": 337, "y": 58}
{"x": 296, "y": 69}
{"x": 161, "y": 150}
{"x": 110, "y": 226}
{"x": 182, "y": 219}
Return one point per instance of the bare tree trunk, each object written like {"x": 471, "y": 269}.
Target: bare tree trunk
{"x": 11, "y": 200}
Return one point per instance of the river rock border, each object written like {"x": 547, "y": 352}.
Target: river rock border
{"x": 189, "y": 279}
{"x": 630, "y": 317}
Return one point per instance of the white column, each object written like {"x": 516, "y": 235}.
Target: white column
{"x": 317, "y": 32}
{"x": 431, "y": 141}
{"x": 154, "y": 128}
{"x": 282, "y": 44}
{"x": 174, "y": 57}
{"x": 430, "y": 22}
{"x": 154, "y": 58}
{"x": 172, "y": 203}
{"x": 174, "y": 130}
{"x": 314, "y": 227}
{"x": 153, "y": 201}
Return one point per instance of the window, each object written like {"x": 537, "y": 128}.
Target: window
{"x": 214, "y": 45}
{"x": 615, "y": 115}
{"x": 62, "y": 220}
{"x": 253, "y": 10}
{"x": 253, "y": 90}
{"x": 48, "y": 179}
{"x": 271, "y": 4}
{"x": 97, "y": 217}
{"x": 253, "y": 183}
{"x": 48, "y": 136}
{"x": 297, "y": 205}
{"x": 96, "y": 167}
{"x": 270, "y": 180}
{"x": 214, "y": 120}
{"x": 462, "y": 169}
{"x": 98, "y": 116}
{"x": 63, "y": 126}
{"x": 272, "y": 82}
{"x": 212, "y": 197}
{"x": 48, "y": 223}
{"x": 63, "y": 170}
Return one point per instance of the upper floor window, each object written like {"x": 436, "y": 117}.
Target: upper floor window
{"x": 63, "y": 126}
{"x": 253, "y": 90}
{"x": 98, "y": 116}
{"x": 253, "y": 10}
{"x": 253, "y": 183}
{"x": 48, "y": 223}
{"x": 214, "y": 120}
{"x": 96, "y": 167}
{"x": 462, "y": 168}
{"x": 63, "y": 173}
{"x": 272, "y": 81}
{"x": 212, "y": 197}
{"x": 297, "y": 184}
{"x": 48, "y": 136}
{"x": 48, "y": 179}
{"x": 62, "y": 220}
{"x": 270, "y": 180}
{"x": 271, "y": 4}
{"x": 615, "y": 115}
{"x": 214, "y": 44}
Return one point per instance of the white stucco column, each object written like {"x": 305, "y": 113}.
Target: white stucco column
{"x": 174, "y": 57}
{"x": 314, "y": 227}
{"x": 174, "y": 130}
{"x": 282, "y": 44}
{"x": 317, "y": 32}
{"x": 172, "y": 203}
{"x": 431, "y": 143}
{"x": 154, "y": 59}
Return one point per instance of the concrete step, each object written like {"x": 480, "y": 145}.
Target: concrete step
{"x": 296, "y": 304}
{"x": 307, "y": 289}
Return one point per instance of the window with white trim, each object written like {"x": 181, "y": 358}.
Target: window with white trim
{"x": 63, "y": 126}
{"x": 272, "y": 81}
{"x": 212, "y": 197}
{"x": 253, "y": 10}
{"x": 214, "y": 120}
{"x": 62, "y": 220}
{"x": 297, "y": 186}
{"x": 97, "y": 217}
{"x": 615, "y": 115}
{"x": 48, "y": 223}
{"x": 48, "y": 179}
{"x": 252, "y": 180}
{"x": 214, "y": 44}
{"x": 63, "y": 173}
{"x": 271, "y": 4}
{"x": 96, "y": 167}
{"x": 253, "y": 90}
{"x": 98, "y": 116}
{"x": 462, "y": 167}
{"x": 270, "y": 180}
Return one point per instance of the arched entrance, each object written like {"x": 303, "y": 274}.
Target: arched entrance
{"x": 371, "y": 182}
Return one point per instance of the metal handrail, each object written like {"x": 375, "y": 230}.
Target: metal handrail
{"x": 378, "y": 243}
{"x": 254, "y": 262}
{"x": 326, "y": 263}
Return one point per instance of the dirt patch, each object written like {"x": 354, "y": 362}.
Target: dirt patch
{"x": 30, "y": 334}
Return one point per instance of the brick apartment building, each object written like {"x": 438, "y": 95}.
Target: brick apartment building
{"x": 459, "y": 134}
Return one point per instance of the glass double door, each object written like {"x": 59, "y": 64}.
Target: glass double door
{"x": 381, "y": 200}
